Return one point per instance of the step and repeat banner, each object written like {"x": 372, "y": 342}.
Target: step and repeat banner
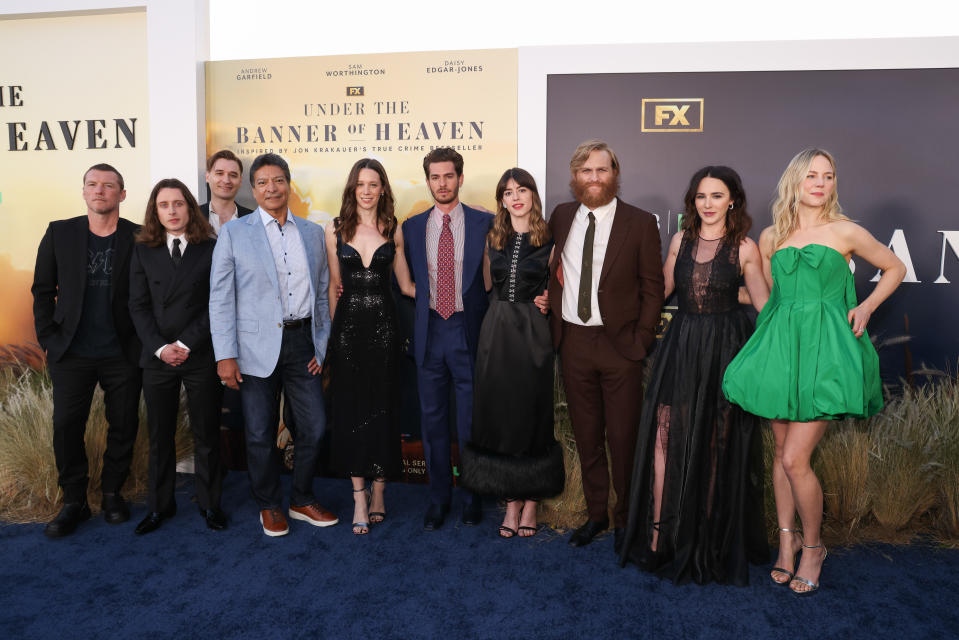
{"x": 894, "y": 134}
{"x": 64, "y": 105}
{"x": 323, "y": 114}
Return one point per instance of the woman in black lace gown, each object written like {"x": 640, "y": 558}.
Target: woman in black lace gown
{"x": 512, "y": 452}
{"x": 365, "y": 246}
{"x": 696, "y": 509}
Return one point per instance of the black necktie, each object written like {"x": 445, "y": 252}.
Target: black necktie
{"x": 585, "y": 306}
{"x": 177, "y": 255}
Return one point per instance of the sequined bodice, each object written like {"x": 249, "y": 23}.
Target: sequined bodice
{"x": 361, "y": 284}
{"x": 707, "y": 276}
{"x": 519, "y": 270}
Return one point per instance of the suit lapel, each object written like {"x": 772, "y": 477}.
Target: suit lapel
{"x": 302, "y": 230}
{"x": 261, "y": 245}
{"x": 617, "y": 238}
{"x": 472, "y": 248}
{"x": 562, "y": 229}
{"x": 178, "y": 275}
{"x": 418, "y": 238}
{"x": 79, "y": 260}
{"x": 123, "y": 245}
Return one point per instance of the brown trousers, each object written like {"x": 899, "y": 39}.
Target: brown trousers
{"x": 604, "y": 392}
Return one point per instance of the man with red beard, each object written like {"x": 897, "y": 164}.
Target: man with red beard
{"x": 606, "y": 288}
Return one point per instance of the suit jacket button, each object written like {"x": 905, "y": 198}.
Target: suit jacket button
{"x": 279, "y": 324}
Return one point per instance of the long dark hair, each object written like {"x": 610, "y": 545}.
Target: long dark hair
{"x": 349, "y": 219}
{"x": 738, "y": 221}
{"x": 152, "y": 233}
{"x": 502, "y": 224}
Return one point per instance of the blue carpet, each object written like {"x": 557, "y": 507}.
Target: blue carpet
{"x": 401, "y": 582}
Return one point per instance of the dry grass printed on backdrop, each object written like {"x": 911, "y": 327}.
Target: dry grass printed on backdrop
{"x": 890, "y": 478}
{"x": 28, "y": 473}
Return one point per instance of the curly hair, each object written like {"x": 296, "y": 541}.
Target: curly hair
{"x": 738, "y": 221}
{"x": 153, "y": 234}
{"x": 502, "y": 227}
{"x": 349, "y": 218}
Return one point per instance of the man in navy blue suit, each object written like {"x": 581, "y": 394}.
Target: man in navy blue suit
{"x": 444, "y": 248}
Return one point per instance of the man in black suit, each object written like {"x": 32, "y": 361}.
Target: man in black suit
{"x": 224, "y": 175}
{"x": 169, "y": 301}
{"x": 80, "y": 293}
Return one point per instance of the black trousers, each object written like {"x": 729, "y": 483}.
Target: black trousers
{"x": 74, "y": 380}
{"x": 161, "y": 390}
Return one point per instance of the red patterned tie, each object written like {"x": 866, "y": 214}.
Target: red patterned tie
{"x": 445, "y": 274}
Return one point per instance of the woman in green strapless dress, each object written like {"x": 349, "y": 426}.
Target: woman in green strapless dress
{"x": 810, "y": 360}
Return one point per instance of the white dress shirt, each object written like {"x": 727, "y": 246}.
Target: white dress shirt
{"x": 292, "y": 266}
{"x": 169, "y": 247}
{"x": 573, "y": 261}
{"x": 215, "y": 218}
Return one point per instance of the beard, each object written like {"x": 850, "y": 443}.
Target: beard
{"x": 593, "y": 199}
{"x": 450, "y": 196}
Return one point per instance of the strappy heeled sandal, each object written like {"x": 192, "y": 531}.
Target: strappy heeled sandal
{"x": 509, "y": 532}
{"x": 813, "y": 586}
{"x": 376, "y": 517}
{"x": 362, "y": 528}
{"x": 789, "y": 574}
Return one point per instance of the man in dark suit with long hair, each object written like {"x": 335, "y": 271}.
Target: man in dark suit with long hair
{"x": 606, "y": 290}
{"x": 169, "y": 303}
{"x": 80, "y": 292}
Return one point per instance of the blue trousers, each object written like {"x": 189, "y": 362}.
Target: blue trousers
{"x": 447, "y": 363}
{"x": 260, "y": 398}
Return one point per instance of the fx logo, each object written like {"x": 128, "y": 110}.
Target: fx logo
{"x": 354, "y": 91}
{"x": 672, "y": 114}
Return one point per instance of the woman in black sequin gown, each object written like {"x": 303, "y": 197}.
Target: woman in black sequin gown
{"x": 365, "y": 246}
{"x": 696, "y": 509}
{"x": 512, "y": 452}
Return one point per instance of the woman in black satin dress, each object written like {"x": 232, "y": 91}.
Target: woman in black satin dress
{"x": 365, "y": 247}
{"x": 512, "y": 453}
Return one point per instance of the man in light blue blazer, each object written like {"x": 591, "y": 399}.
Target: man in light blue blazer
{"x": 270, "y": 320}
{"x": 444, "y": 248}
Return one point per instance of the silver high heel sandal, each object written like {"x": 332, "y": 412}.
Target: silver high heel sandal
{"x": 790, "y": 574}
{"x": 813, "y": 586}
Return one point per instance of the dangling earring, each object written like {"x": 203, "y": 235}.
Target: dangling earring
{"x": 730, "y": 206}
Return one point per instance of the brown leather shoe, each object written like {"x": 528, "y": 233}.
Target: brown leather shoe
{"x": 314, "y": 514}
{"x": 274, "y": 522}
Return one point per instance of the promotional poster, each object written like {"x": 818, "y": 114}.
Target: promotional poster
{"x": 323, "y": 114}
{"x": 63, "y": 109}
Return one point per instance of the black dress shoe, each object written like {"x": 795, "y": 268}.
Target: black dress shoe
{"x": 215, "y": 518}
{"x": 473, "y": 512}
{"x": 435, "y": 516}
{"x": 619, "y": 534}
{"x": 115, "y": 508}
{"x": 585, "y": 534}
{"x": 153, "y": 521}
{"x": 71, "y": 514}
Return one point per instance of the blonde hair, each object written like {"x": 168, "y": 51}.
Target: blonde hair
{"x": 786, "y": 206}
{"x": 585, "y": 148}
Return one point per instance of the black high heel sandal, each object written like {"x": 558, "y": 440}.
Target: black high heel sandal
{"x": 361, "y": 528}
{"x": 789, "y": 574}
{"x": 376, "y": 517}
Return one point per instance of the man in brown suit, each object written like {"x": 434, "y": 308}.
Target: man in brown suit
{"x": 604, "y": 323}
